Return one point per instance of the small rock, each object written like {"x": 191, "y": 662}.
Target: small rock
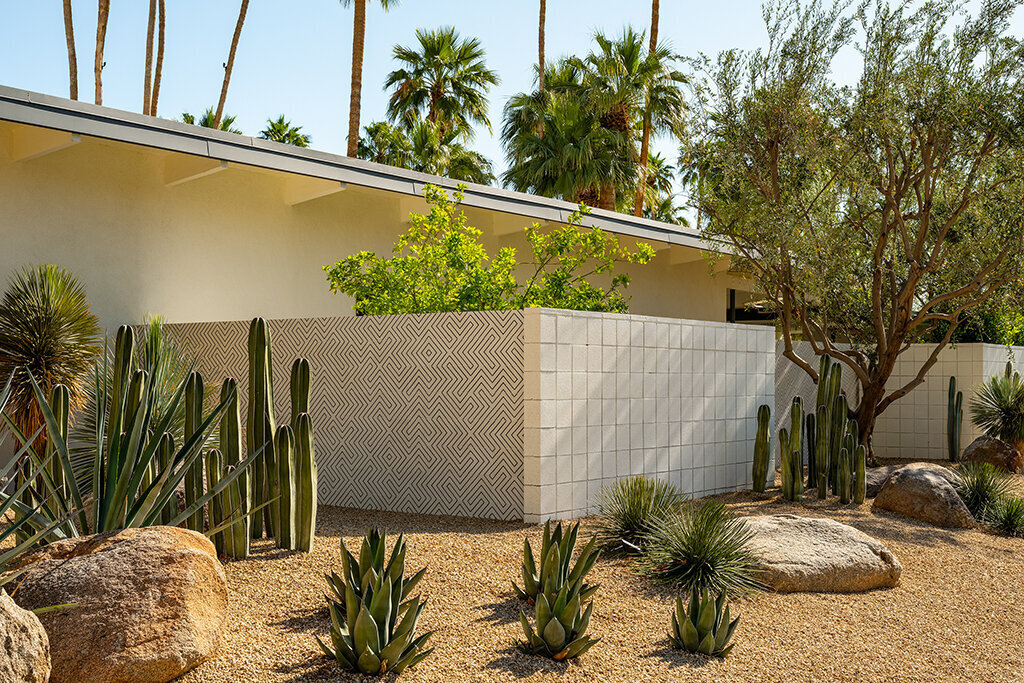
{"x": 820, "y": 555}
{"x": 152, "y": 603}
{"x": 925, "y": 492}
{"x": 24, "y": 647}
{"x": 997, "y": 453}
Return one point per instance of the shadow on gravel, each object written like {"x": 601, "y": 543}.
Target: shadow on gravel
{"x": 676, "y": 658}
{"x": 306, "y": 621}
{"x": 504, "y": 611}
{"x": 521, "y": 665}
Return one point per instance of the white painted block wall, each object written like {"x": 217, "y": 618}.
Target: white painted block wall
{"x": 609, "y": 396}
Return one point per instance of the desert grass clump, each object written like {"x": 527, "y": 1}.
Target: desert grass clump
{"x": 629, "y": 508}
{"x": 703, "y": 547}
{"x": 981, "y": 487}
{"x": 1008, "y": 516}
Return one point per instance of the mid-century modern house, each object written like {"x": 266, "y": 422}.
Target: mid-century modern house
{"x": 510, "y": 414}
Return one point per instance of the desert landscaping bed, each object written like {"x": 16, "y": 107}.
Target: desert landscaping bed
{"x": 955, "y": 616}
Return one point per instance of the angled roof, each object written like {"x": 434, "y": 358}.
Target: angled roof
{"x": 47, "y": 111}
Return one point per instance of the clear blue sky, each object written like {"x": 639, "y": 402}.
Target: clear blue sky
{"x": 294, "y": 58}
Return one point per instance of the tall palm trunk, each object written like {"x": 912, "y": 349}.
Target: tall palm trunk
{"x": 101, "y": 39}
{"x": 230, "y": 63}
{"x": 159, "y": 58}
{"x": 606, "y": 200}
{"x": 645, "y": 141}
{"x": 147, "y": 87}
{"x": 69, "y": 35}
{"x": 356, "y": 90}
{"x": 540, "y": 58}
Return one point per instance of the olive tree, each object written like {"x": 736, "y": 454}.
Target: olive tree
{"x": 874, "y": 214}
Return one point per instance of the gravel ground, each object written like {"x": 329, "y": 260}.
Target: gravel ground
{"x": 958, "y": 614}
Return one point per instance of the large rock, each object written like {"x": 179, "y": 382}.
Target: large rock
{"x": 151, "y": 604}
{"x": 24, "y": 648}
{"x": 875, "y": 477}
{"x": 820, "y": 555}
{"x": 998, "y": 453}
{"x": 925, "y": 492}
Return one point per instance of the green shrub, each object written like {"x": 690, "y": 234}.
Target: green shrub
{"x": 997, "y": 408}
{"x": 981, "y": 487}
{"x": 373, "y": 619}
{"x": 555, "y": 568}
{"x": 704, "y": 547}
{"x": 629, "y": 507}
{"x": 1008, "y": 515}
{"x": 706, "y": 627}
{"x": 440, "y": 265}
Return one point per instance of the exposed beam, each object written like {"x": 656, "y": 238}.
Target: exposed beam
{"x": 182, "y": 169}
{"x": 32, "y": 143}
{"x": 301, "y": 189}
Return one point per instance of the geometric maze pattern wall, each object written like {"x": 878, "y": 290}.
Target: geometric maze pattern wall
{"x": 413, "y": 413}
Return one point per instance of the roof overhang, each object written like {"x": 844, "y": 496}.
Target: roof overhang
{"x": 85, "y": 119}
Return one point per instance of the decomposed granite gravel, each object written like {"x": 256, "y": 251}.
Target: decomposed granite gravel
{"x": 958, "y": 614}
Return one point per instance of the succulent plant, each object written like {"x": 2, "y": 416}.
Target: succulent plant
{"x": 762, "y": 448}
{"x": 236, "y": 500}
{"x": 194, "y": 475}
{"x": 954, "y": 420}
{"x": 259, "y": 423}
{"x": 706, "y": 627}
{"x": 555, "y": 568}
{"x": 299, "y": 386}
{"x": 561, "y": 624}
{"x": 629, "y": 507}
{"x": 860, "y": 476}
{"x": 305, "y": 483}
{"x": 373, "y": 619}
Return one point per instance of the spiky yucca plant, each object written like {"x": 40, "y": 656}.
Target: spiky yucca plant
{"x": 997, "y": 408}
{"x": 555, "y": 568}
{"x": 706, "y": 627}
{"x": 981, "y": 487}
{"x": 629, "y": 507}
{"x": 561, "y": 623}
{"x": 1008, "y": 515}
{"x": 704, "y": 547}
{"x": 373, "y": 626}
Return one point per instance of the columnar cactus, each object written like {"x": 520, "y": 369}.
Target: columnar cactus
{"x": 194, "y": 475}
{"x": 845, "y": 458}
{"x": 785, "y": 460}
{"x": 299, "y": 386}
{"x": 237, "y": 497}
{"x": 822, "y": 424}
{"x": 260, "y": 425}
{"x": 796, "y": 465}
{"x": 811, "y": 437}
{"x": 954, "y": 420}
{"x": 164, "y": 460}
{"x": 306, "y": 482}
{"x": 60, "y": 405}
{"x": 283, "y": 488}
{"x": 837, "y": 429}
{"x": 762, "y": 448}
{"x": 216, "y": 508}
{"x": 860, "y": 461}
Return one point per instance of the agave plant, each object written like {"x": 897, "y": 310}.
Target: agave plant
{"x": 561, "y": 623}
{"x": 373, "y": 621}
{"x": 629, "y": 507}
{"x": 705, "y": 627}
{"x": 128, "y": 485}
{"x": 703, "y": 547}
{"x": 555, "y": 568}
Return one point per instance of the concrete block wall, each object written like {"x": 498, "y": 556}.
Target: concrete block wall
{"x": 611, "y": 396}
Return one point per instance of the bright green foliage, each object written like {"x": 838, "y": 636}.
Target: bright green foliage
{"x": 561, "y": 624}
{"x": 373, "y": 619}
{"x": 227, "y": 123}
{"x": 876, "y": 210}
{"x": 706, "y": 627}
{"x": 281, "y": 130}
{"x": 981, "y": 486}
{"x": 425, "y": 149}
{"x": 128, "y": 448}
{"x": 1008, "y": 516}
{"x": 997, "y": 408}
{"x": 703, "y": 547}
{"x": 555, "y": 568}
{"x": 439, "y": 265}
{"x": 762, "y": 448}
{"x": 629, "y": 507}
{"x": 954, "y": 420}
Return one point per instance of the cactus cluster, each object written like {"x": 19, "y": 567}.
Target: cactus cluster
{"x": 762, "y": 448}
{"x": 555, "y": 568}
{"x": 706, "y": 627}
{"x": 839, "y": 462}
{"x": 954, "y": 420}
{"x": 791, "y": 454}
{"x": 373, "y": 617}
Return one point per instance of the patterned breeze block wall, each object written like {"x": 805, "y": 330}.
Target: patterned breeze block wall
{"x": 415, "y": 413}
{"x": 610, "y": 396}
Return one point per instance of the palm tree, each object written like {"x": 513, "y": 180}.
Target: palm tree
{"x": 424, "y": 149}
{"x": 103, "y": 13}
{"x": 638, "y": 201}
{"x": 444, "y": 82}
{"x": 159, "y": 57}
{"x": 356, "y": 89}
{"x": 282, "y": 130}
{"x": 540, "y": 44}
{"x": 147, "y": 87}
{"x": 46, "y": 329}
{"x": 622, "y": 81}
{"x": 69, "y": 35}
{"x": 209, "y": 119}
{"x": 230, "y": 64}
{"x": 385, "y": 144}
